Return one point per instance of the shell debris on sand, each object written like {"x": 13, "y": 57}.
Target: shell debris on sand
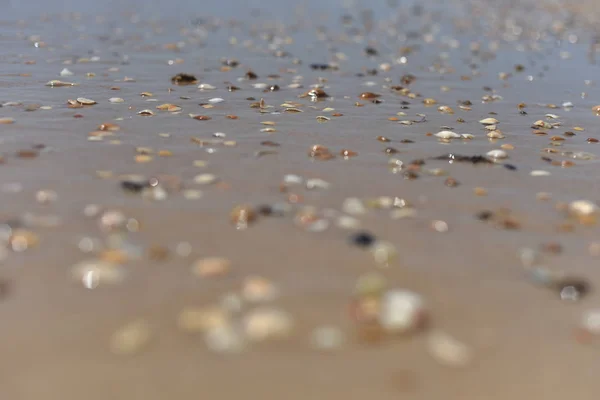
{"x": 448, "y": 351}
{"x": 131, "y": 338}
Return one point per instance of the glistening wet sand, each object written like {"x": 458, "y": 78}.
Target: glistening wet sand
{"x": 521, "y": 339}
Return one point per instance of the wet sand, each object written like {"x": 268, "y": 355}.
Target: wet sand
{"x": 525, "y": 341}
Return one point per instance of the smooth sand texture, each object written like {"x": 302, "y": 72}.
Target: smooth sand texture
{"x": 55, "y": 334}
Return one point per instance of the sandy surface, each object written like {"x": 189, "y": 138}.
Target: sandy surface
{"x": 525, "y": 341}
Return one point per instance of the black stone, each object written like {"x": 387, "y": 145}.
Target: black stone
{"x": 362, "y": 239}
{"x": 133, "y": 186}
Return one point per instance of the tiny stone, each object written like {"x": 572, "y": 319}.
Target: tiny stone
{"x": 362, "y": 239}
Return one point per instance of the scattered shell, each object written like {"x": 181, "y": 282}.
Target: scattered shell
{"x": 95, "y": 272}
{"x": 56, "y": 83}
{"x": 257, "y": 289}
{"x": 131, "y": 338}
{"x": 402, "y": 311}
{"x": 116, "y": 100}
{"x": 327, "y": 338}
{"x": 66, "y": 72}
{"x": 205, "y": 179}
{"x": 7, "y": 121}
{"x": 146, "y": 113}
{"x": 591, "y": 321}
{"x": 267, "y": 323}
{"x": 211, "y": 267}
{"x": 86, "y": 102}
{"x": 448, "y": 351}
{"x": 497, "y": 154}
{"x": 224, "y": 339}
{"x": 539, "y": 172}
{"x": 496, "y": 134}
{"x": 447, "y": 135}
{"x": 583, "y": 208}
{"x": 242, "y": 216}
{"x": 168, "y": 107}
{"x": 369, "y": 95}
{"x": 489, "y": 121}
{"x": 184, "y": 79}
{"x": 354, "y": 206}
{"x": 201, "y": 320}
{"x": 445, "y": 110}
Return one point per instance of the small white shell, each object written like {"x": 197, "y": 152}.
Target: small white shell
{"x": 591, "y": 321}
{"x": 447, "y": 135}
{"x": 489, "y": 121}
{"x": 402, "y": 311}
{"x": 84, "y": 101}
{"x": 496, "y": 135}
{"x": 539, "y": 172}
{"x": 583, "y": 208}
{"x": 448, "y": 351}
{"x": 66, "y": 72}
{"x": 498, "y": 154}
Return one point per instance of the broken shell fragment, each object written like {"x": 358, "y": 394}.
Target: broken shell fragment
{"x": 497, "y": 154}
{"x": 448, "y": 351}
{"x": 131, "y": 338}
{"x": 489, "y": 121}
{"x": 57, "y": 83}
{"x": 85, "y": 101}
{"x": 447, "y": 135}
{"x": 402, "y": 311}
{"x": 184, "y": 79}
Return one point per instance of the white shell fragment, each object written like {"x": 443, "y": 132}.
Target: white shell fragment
{"x": 131, "y": 338}
{"x": 267, "y": 323}
{"x": 447, "y": 135}
{"x": 582, "y": 208}
{"x": 402, "y": 311}
{"x": 448, "y": 351}
{"x": 489, "y": 121}
{"x": 498, "y": 154}
{"x": 591, "y": 321}
{"x": 66, "y": 72}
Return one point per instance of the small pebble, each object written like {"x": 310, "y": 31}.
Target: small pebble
{"x": 362, "y": 239}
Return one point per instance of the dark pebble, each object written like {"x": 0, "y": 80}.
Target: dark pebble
{"x": 362, "y": 239}
{"x": 484, "y": 215}
{"x": 135, "y": 187}
{"x": 371, "y": 51}
{"x": 510, "y": 167}
{"x": 451, "y": 157}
